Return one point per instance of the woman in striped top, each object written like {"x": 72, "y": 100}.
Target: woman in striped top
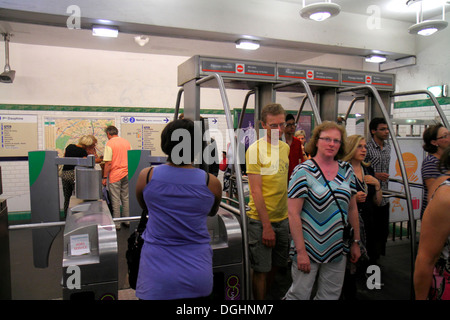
{"x": 436, "y": 138}
{"x": 316, "y": 220}
{"x": 432, "y": 267}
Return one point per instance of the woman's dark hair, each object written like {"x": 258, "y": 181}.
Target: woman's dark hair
{"x": 179, "y": 135}
{"x": 429, "y": 135}
{"x": 444, "y": 162}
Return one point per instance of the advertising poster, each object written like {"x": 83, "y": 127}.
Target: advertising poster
{"x": 413, "y": 155}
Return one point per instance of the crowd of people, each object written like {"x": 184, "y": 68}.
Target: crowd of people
{"x": 318, "y": 204}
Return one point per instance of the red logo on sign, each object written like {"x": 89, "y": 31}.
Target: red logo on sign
{"x": 368, "y": 79}
{"x": 240, "y": 68}
{"x": 310, "y": 74}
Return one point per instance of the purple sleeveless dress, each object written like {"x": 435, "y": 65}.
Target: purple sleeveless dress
{"x": 176, "y": 258}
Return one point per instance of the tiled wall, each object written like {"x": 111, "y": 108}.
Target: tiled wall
{"x": 15, "y": 173}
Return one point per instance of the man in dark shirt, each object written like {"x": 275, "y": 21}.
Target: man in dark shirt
{"x": 379, "y": 156}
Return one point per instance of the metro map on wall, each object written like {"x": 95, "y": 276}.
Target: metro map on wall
{"x": 60, "y": 132}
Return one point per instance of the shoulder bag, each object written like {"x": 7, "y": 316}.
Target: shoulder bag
{"x": 348, "y": 229}
{"x": 135, "y": 243}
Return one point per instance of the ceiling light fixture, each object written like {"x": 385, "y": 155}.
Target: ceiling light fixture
{"x": 247, "y": 44}
{"x": 320, "y": 11}
{"x": 105, "y": 31}
{"x": 427, "y": 27}
{"x": 375, "y": 58}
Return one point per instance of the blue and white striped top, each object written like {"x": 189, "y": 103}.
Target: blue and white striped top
{"x": 429, "y": 170}
{"x": 321, "y": 219}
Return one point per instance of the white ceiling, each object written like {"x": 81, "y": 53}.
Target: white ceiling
{"x": 190, "y": 27}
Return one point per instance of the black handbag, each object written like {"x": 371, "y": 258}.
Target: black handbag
{"x": 347, "y": 232}
{"x": 135, "y": 243}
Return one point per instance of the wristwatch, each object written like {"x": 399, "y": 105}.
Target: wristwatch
{"x": 358, "y": 242}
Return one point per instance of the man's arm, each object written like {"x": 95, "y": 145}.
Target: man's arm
{"x": 107, "y": 157}
{"x": 255, "y": 181}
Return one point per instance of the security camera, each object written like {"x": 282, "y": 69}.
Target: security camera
{"x": 7, "y": 76}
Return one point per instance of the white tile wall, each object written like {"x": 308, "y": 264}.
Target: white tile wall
{"x": 15, "y": 173}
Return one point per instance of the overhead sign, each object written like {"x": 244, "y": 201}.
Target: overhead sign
{"x": 238, "y": 68}
{"x": 382, "y": 81}
{"x": 311, "y": 74}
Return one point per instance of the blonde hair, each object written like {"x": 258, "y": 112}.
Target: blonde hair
{"x": 350, "y": 148}
{"x": 311, "y": 146}
{"x": 300, "y": 133}
{"x": 87, "y": 141}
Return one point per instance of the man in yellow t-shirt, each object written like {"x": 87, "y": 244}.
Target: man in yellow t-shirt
{"x": 267, "y": 168}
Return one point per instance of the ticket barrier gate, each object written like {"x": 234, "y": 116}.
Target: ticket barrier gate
{"x": 228, "y": 261}
{"x": 90, "y": 263}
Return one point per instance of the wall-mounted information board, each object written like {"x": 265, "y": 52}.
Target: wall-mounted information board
{"x": 18, "y": 135}
{"x": 144, "y": 132}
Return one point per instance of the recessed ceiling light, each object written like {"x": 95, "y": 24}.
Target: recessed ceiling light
{"x": 375, "y": 58}
{"x": 247, "y": 44}
{"x": 105, "y": 31}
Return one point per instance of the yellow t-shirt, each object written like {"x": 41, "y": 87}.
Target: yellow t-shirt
{"x": 272, "y": 163}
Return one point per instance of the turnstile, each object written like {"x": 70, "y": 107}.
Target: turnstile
{"x": 90, "y": 263}
{"x": 228, "y": 258}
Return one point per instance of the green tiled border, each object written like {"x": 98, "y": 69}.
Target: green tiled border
{"x": 28, "y": 107}
{"x": 421, "y": 103}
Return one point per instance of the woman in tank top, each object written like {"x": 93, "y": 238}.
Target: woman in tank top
{"x": 432, "y": 268}
{"x": 176, "y": 258}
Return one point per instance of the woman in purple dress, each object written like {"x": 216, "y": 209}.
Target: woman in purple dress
{"x": 176, "y": 258}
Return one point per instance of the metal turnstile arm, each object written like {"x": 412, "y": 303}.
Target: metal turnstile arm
{"x": 412, "y": 229}
{"x": 305, "y": 85}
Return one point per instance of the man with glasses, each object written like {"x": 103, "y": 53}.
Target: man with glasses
{"x": 267, "y": 162}
{"x": 379, "y": 157}
{"x": 295, "y": 145}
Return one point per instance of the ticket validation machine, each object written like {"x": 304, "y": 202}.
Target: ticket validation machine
{"x": 228, "y": 257}
{"x": 90, "y": 263}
